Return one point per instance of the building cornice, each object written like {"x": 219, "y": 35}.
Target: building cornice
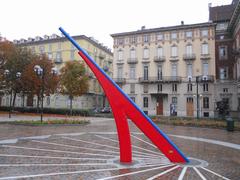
{"x": 168, "y": 28}
{"x": 61, "y": 39}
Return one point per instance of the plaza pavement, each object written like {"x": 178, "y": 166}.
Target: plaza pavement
{"x": 91, "y": 152}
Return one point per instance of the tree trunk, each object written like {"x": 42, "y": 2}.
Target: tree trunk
{"x": 71, "y": 98}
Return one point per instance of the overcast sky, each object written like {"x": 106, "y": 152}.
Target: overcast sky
{"x": 97, "y": 18}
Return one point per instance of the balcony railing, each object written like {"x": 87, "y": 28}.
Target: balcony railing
{"x": 206, "y": 78}
{"x": 189, "y": 56}
{"x": 162, "y": 79}
{"x": 58, "y": 60}
{"x": 205, "y": 56}
{"x": 159, "y": 58}
{"x": 132, "y": 60}
{"x": 174, "y": 58}
{"x": 120, "y": 80}
{"x": 120, "y": 61}
{"x": 102, "y": 56}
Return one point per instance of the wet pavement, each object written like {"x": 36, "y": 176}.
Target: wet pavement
{"x": 91, "y": 152}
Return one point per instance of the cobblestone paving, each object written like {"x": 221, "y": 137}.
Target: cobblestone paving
{"x": 91, "y": 152}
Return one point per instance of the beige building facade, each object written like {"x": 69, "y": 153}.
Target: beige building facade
{"x": 168, "y": 70}
{"x": 60, "y": 50}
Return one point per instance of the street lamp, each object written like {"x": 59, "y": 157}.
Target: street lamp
{"x": 7, "y": 76}
{"x": 40, "y": 72}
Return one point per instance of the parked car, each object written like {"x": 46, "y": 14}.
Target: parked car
{"x": 106, "y": 110}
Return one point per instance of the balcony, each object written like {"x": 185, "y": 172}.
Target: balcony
{"x": 174, "y": 58}
{"x": 189, "y": 57}
{"x": 120, "y": 80}
{"x": 163, "y": 79}
{"x": 206, "y": 78}
{"x": 159, "y": 58}
{"x": 58, "y": 60}
{"x": 132, "y": 60}
{"x": 102, "y": 56}
{"x": 120, "y": 61}
{"x": 205, "y": 56}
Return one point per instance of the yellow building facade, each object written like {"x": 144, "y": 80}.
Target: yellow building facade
{"x": 60, "y": 50}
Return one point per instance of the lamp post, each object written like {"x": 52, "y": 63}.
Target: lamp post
{"x": 41, "y": 73}
{"x": 7, "y": 76}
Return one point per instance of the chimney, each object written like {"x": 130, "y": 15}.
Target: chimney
{"x": 182, "y": 22}
{"x": 209, "y": 5}
{"x": 143, "y": 27}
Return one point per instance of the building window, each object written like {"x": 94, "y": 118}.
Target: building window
{"x": 223, "y": 52}
{"x": 132, "y": 53}
{"x": 132, "y": 88}
{"x": 132, "y": 72}
{"x": 189, "y": 87}
{"x": 48, "y": 101}
{"x": 50, "y": 56}
{"x": 59, "y": 57}
{"x": 160, "y": 37}
{"x": 145, "y": 72}
{"x": 120, "y": 54}
{"x": 33, "y": 50}
{"x": 159, "y": 72}
{"x": 205, "y": 49}
{"x": 120, "y": 72}
{"x": 146, "y": 38}
{"x": 189, "y": 70}
{"x": 188, "y": 34}
{"x": 225, "y": 90}
{"x": 174, "y": 87}
{"x": 72, "y": 55}
{"x": 189, "y": 99}
{"x": 133, "y": 99}
{"x": 223, "y": 73}
{"x": 174, "y": 51}
{"x": 145, "y": 101}
{"x": 159, "y": 52}
{"x": 174, "y": 70}
{"x": 145, "y": 88}
{"x": 205, "y": 69}
{"x": 41, "y": 49}
{"x": 205, "y": 102}
{"x": 205, "y": 87}
{"x": 59, "y": 46}
{"x": 174, "y": 100}
{"x": 120, "y": 41}
{"x": 145, "y": 53}
{"x": 189, "y": 49}
{"x": 159, "y": 87}
{"x": 50, "y": 48}
{"x": 204, "y": 33}
{"x": 133, "y": 39}
{"x": 205, "y": 114}
{"x": 173, "y": 36}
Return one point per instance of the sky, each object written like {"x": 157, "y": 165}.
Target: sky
{"x": 97, "y": 18}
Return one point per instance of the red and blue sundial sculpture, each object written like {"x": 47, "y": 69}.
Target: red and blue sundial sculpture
{"x": 124, "y": 108}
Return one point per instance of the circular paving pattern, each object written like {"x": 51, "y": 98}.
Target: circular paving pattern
{"x": 95, "y": 156}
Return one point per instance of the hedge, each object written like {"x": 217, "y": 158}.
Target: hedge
{"x": 64, "y": 111}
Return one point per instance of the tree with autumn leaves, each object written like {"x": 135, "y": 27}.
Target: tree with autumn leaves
{"x": 73, "y": 80}
{"x": 34, "y": 84}
{"x": 20, "y": 61}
